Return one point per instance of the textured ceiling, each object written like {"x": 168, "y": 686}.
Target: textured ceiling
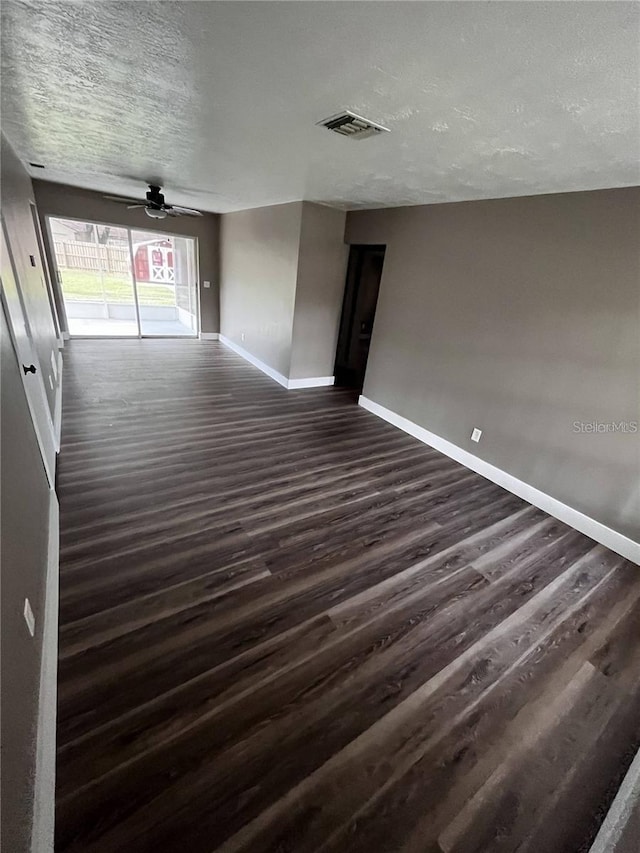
{"x": 219, "y": 100}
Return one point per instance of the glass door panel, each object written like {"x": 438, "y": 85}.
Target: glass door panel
{"x": 94, "y": 270}
{"x": 165, "y": 273}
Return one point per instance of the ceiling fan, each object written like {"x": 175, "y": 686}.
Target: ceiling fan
{"x": 155, "y": 206}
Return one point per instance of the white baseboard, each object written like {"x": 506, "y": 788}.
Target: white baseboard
{"x": 311, "y": 382}
{"x": 209, "y": 336}
{"x": 42, "y": 832}
{"x": 289, "y": 384}
{"x": 620, "y": 812}
{"x": 57, "y": 414}
{"x": 273, "y": 374}
{"x": 574, "y": 518}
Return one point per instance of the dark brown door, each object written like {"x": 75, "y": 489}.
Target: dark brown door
{"x": 358, "y": 311}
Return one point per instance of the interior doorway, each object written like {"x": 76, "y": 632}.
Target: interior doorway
{"x": 124, "y": 282}
{"x": 358, "y": 311}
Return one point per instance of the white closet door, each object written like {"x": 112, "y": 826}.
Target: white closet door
{"x": 30, "y": 369}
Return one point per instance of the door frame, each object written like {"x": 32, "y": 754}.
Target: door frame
{"x": 45, "y": 270}
{"x": 33, "y": 385}
{"x": 357, "y": 252}
{"x": 128, "y": 228}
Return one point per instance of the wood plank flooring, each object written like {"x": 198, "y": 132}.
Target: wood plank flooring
{"x": 287, "y": 626}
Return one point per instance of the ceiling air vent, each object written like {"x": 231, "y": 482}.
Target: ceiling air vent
{"x": 352, "y": 125}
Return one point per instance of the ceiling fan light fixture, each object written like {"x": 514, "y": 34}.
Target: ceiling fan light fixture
{"x": 155, "y": 213}
{"x": 154, "y": 204}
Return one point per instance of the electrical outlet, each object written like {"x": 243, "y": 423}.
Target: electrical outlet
{"x": 475, "y": 435}
{"x": 29, "y": 618}
{"x": 242, "y": 336}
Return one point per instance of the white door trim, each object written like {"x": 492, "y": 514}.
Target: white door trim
{"x": 57, "y": 415}
{"x": 42, "y": 833}
{"x": 33, "y": 384}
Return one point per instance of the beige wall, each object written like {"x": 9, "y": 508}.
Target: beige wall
{"x": 24, "y": 513}
{"x": 60, "y": 200}
{"x": 322, "y": 266}
{"x": 24, "y": 517}
{"x": 259, "y": 262}
{"x": 520, "y": 317}
{"x": 17, "y": 198}
{"x": 282, "y": 278}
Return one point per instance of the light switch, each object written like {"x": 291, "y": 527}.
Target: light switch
{"x": 206, "y": 284}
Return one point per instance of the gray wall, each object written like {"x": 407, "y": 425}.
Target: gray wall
{"x": 24, "y": 521}
{"x": 282, "y": 279}
{"x": 24, "y": 514}
{"x": 259, "y": 262}
{"x": 521, "y": 317}
{"x": 322, "y": 267}
{"x": 73, "y": 203}
{"x": 17, "y": 196}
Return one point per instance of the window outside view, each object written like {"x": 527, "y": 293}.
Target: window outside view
{"x": 96, "y": 265}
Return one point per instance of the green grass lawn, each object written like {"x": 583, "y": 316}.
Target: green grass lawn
{"x": 84, "y": 285}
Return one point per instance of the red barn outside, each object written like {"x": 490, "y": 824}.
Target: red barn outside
{"x": 154, "y": 261}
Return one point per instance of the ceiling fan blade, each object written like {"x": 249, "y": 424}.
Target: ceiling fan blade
{"x": 184, "y": 211}
{"x": 121, "y": 199}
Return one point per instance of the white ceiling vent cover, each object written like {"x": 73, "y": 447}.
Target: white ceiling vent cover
{"x": 352, "y": 125}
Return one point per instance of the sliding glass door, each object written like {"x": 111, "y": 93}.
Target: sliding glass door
{"x": 165, "y": 273}
{"x": 94, "y": 271}
{"x": 121, "y": 282}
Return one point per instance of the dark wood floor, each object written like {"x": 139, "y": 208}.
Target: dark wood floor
{"x": 287, "y": 626}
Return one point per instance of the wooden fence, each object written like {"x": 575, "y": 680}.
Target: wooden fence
{"x": 71, "y": 254}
